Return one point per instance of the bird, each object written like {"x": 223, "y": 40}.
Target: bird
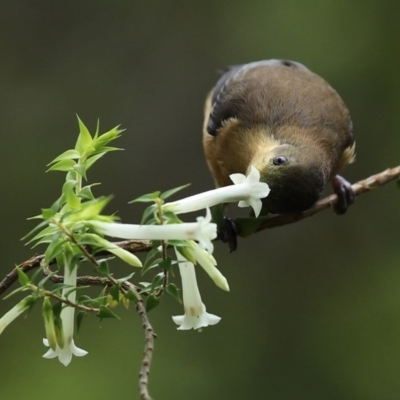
{"x": 287, "y": 122}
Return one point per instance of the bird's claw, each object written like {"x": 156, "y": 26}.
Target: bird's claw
{"x": 228, "y": 233}
{"x": 345, "y": 194}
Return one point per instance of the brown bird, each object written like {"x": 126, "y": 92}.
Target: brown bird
{"x": 286, "y": 121}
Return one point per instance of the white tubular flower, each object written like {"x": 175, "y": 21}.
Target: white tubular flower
{"x": 67, "y": 316}
{"x": 15, "y": 312}
{"x": 208, "y": 263}
{"x": 203, "y": 231}
{"x": 246, "y": 190}
{"x": 195, "y": 316}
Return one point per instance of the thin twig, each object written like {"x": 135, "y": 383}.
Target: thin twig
{"x": 149, "y": 336}
{"x": 68, "y": 302}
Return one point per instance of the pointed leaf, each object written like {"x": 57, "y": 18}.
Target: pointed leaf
{"x": 63, "y": 165}
{"x": 147, "y": 213}
{"x": 90, "y": 161}
{"x": 47, "y": 213}
{"x": 115, "y": 291}
{"x": 67, "y": 155}
{"x": 84, "y": 138}
{"x": 171, "y": 192}
{"x": 79, "y": 318}
{"x": 146, "y": 198}
{"x": 152, "y": 302}
{"x": 22, "y": 277}
{"x": 173, "y": 291}
{"x": 105, "y": 312}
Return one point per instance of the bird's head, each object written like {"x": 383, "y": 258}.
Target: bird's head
{"x": 295, "y": 175}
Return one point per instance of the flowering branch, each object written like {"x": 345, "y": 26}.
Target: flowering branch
{"x": 136, "y": 246}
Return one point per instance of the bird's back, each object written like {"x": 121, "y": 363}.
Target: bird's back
{"x": 280, "y": 93}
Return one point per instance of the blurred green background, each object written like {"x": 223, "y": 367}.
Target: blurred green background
{"x": 314, "y": 308}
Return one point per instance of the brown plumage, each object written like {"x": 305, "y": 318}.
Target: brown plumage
{"x": 286, "y": 121}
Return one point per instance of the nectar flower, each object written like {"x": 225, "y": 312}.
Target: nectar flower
{"x": 203, "y": 231}
{"x": 195, "y": 316}
{"x": 65, "y": 353}
{"x": 246, "y": 190}
{"x": 195, "y": 253}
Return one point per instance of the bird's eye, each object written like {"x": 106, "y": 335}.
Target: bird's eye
{"x": 280, "y": 160}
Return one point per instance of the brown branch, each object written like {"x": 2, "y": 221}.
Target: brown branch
{"x": 149, "y": 336}
{"x": 133, "y": 246}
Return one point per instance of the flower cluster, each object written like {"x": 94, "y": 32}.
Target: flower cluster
{"x": 74, "y": 222}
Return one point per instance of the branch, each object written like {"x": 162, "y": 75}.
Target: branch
{"x": 135, "y": 246}
{"x": 149, "y": 336}
{"x": 360, "y": 187}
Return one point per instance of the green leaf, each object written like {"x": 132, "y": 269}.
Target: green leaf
{"x": 150, "y": 255}
{"x": 90, "y": 161}
{"x": 171, "y": 192}
{"x": 58, "y": 287}
{"x": 73, "y": 202}
{"x": 44, "y": 280}
{"x": 20, "y": 289}
{"x": 173, "y": 291}
{"x": 48, "y": 231}
{"x": 131, "y": 295}
{"x": 57, "y": 308}
{"x": 86, "y": 192}
{"x": 22, "y": 277}
{"x": 248, "y": 226}
{"x": 105, "y": 312}
{"x": 107, "y": 137}
{"x": 47, "y": 213}
{"x": 151, "y": 265}
{"x": 84, "y": 138}
{"x": 103, "y": 269}
{"x": 84, "y": 299}
{"x": 67, "y": 155}
{"x": 166, "y": 264}
{"x": 63, "y": 165}
{"x": 107, "y": 149}
{"x": 56, "y": 206}
{"x": 97, "y": 130}
{"x": 81, "y": 169}
{"x": 171, "y": 218}
{"x": 35, "y": 229}
{"x": 114, "y": 292}
{"x": 92, "y": 209}
{"x": 157, "y": 281}
{"x": 125, "y": 278}
{"x": 146, "y": 198}
{"x": 147, "y": 213}
{"x": 55, "y": 248}
{"x": 152, "y": 302}
{"x": 79, "y": 318}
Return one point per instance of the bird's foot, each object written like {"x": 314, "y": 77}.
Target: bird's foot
{"x": 345, "y": 194}
{"x": 228, "y": 233}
